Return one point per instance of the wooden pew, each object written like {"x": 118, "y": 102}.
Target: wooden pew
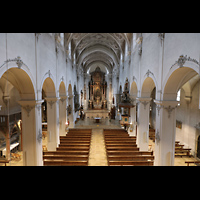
{"x": 4, "y": 161}
{"x": 129, "y": 153}
{"x": 130, "y": 163}
{"x": 131, "y": 157}
{"x": 190, "y": 162}
{"x": 120, "y": 142}
{"x": 73, "y": 149}
{"x": 74, "y": 139}
{"x": 121, "y": 145}
{"x": 66, "y": 153}
{"x": 66, "y": 157}
{"x": 66, "y": 140}
{"x": 51, "y": 162}
{"x": 122, "y": 150}
{"x": 181, "y": 151}
{"x": 120, "y": 139}
{"x": 74, "y": 145}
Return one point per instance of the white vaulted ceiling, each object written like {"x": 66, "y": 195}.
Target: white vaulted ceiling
{"x": 91, "y": 48}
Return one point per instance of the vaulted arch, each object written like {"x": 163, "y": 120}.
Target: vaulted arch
{"x": 147, "y": 87}
{"x": 176, "y": 78}
{"x": 22, "y": 79}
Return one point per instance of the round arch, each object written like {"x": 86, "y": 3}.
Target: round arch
{"x": 62, "y": 89}
{"x": 49, "y": 87}
{"x": 148, "y": 85}
{"x": 48, "y": 84}
{"x": 134, "y": 89}
{"x": 70, "y": 89}
{"x": 22, "y": 79}
{"x": 176, "y": 78}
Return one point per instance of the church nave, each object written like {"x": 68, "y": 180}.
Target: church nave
{"x": 54, "y": 83}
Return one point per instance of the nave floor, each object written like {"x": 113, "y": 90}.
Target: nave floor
{"x": 97, "y": 156}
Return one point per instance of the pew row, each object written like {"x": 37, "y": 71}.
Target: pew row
{"x": 73, "y": 149}
{"x": 122, "y": 149}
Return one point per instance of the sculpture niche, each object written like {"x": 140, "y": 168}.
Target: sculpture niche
{"x": 97, "y": 90}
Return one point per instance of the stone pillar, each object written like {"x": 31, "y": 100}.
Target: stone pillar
{"x": 32, "y": 133}
{"x": 62, "y": 115}
{"x": 165, "y": 132}
{"x": 143, "y": 123}
{"x": 133, "y": 119}
{"x": 71, "y": 116}
{"x": 7, "y": 142}
{"x": 52, "y": 123}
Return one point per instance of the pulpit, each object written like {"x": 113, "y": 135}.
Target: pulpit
{"x": 125, "y": 106}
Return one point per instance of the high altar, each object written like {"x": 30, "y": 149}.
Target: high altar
{"x": 97, "y": 90}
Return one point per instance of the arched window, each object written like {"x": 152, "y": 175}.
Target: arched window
{"x": 178, "y": 97}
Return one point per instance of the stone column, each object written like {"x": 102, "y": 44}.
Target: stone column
{"x": 71, "y": 116}
{"x": 133, "y": 119}
{"x": 143, "y": 123}
{"x": 52, "y": 123}
{"x": 62, "y": 115}
{"x": 32, "y": 133}
{"x": 165, "y": 132}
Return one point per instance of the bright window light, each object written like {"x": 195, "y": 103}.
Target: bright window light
{"x": 178, "y": 97}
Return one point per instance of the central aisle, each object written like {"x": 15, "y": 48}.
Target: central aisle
{"x": 97, "y": 155}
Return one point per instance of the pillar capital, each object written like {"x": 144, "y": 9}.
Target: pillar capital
{"x": 30, "y": 102}
{"x": 48, "y": 99}
{"x": 28, "y": 105}
{"x": 143, "y": 100}
{"x": 169, "y": 106}
{"x": 166, "y": 104}
{"x": 52, "y": 100}
{"x": 63, "y": 98}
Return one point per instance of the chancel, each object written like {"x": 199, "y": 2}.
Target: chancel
{"x": 99, "y": 99}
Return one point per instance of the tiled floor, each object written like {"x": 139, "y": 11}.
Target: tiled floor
{"x": 97, "y": 155}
